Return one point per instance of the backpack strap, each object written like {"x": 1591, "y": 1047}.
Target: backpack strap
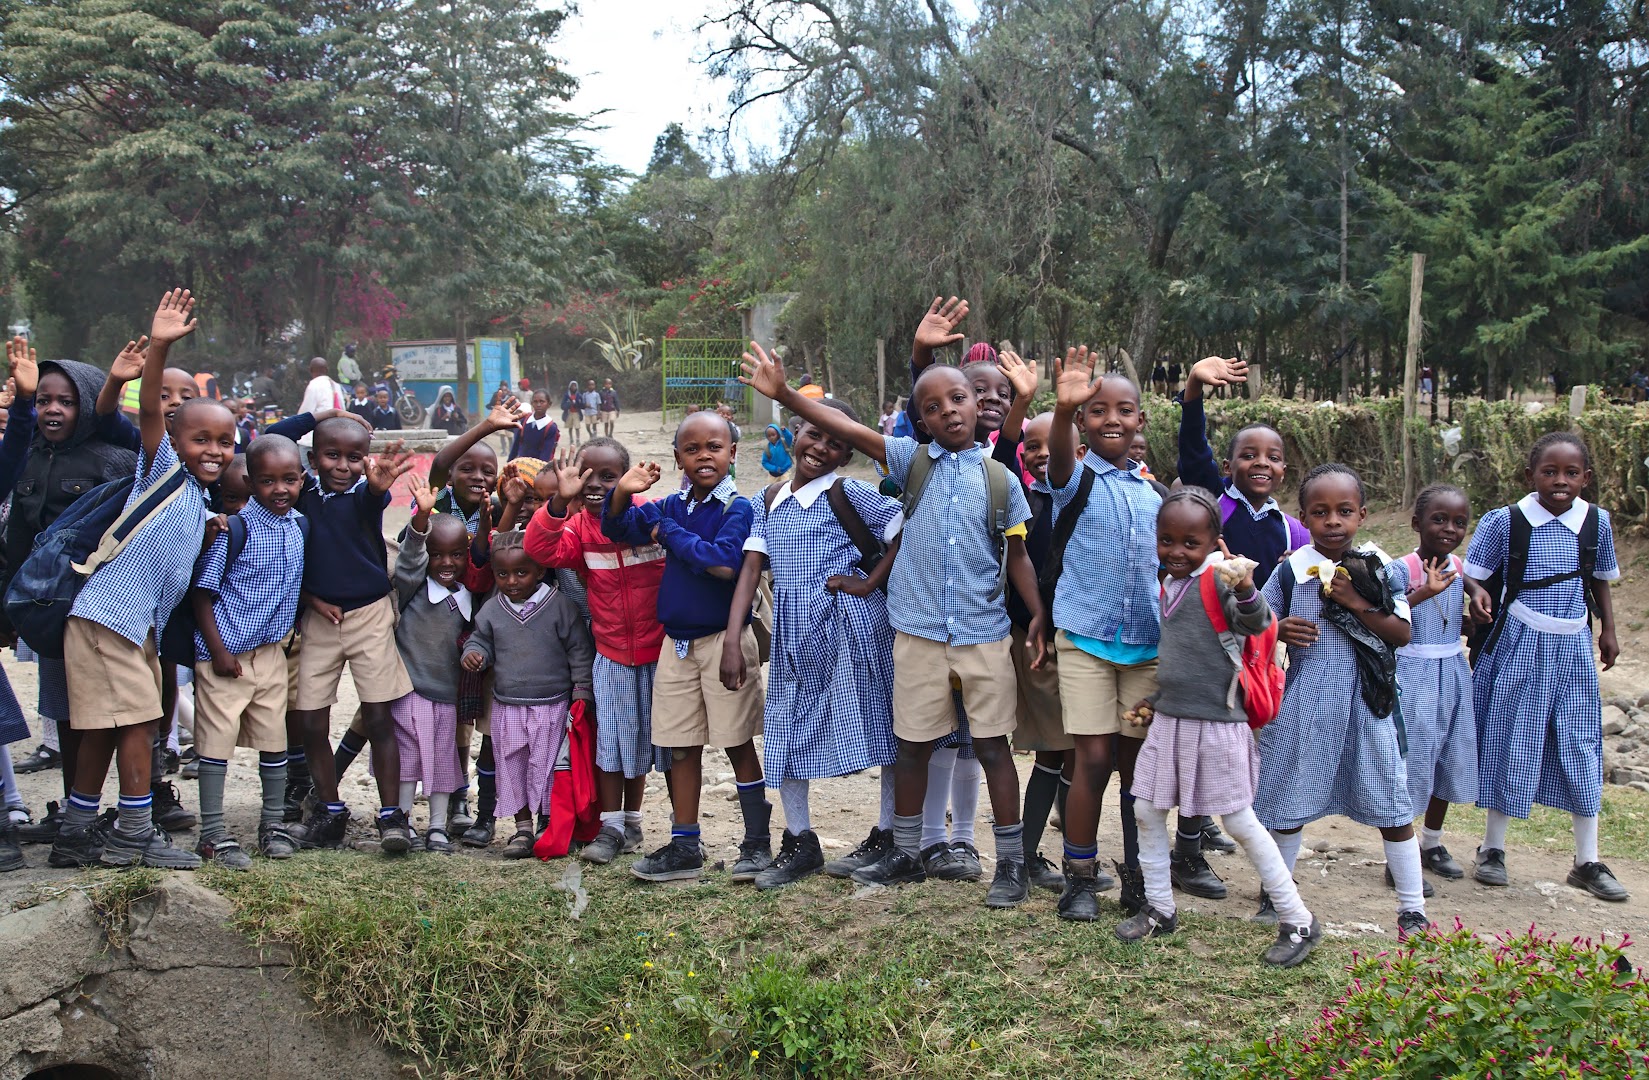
{"x": 153, "y": 501}
{"x": 771, "y": 495}
{"x": 1416, "y": 569}
{"x": 1588, "y": 558}
{"x": 996, "y": 487}
{"x": 916, "y": 480}
{"x": 870, "y": 551}
{"x": 237, "y": 541}
{"x": 1228, "y": 506}
{"x": 1284, "y": 576}
{"x": 1064, "y": 528}
{"x": 1208, "y": 591}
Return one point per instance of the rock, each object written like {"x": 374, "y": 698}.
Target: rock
{"x": 1641, "y": 785}
{"x": 1614, "y": 720}
{"x": 1626, "y": 746}
{"x": 725, "y": 778}
{"x": 1625, "y": 776}
{"x": 724, "y": 789}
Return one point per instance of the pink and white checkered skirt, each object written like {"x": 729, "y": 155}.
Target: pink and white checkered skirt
{"x": 1200, "y": 766}
{"x": 427, "y": 733}
{"x": 526, "y": 741}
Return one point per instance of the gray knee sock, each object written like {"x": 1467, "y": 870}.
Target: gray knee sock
{"x": 272, "y": 773}
{"x": 1010, "y": 842}
{"x": 213, "y": 775}
{"x": 907, "y": 833}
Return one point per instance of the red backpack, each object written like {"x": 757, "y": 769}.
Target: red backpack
{"x": 1256, "y": 658}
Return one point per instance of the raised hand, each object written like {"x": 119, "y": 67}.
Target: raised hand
{"x": 514, "y": 489}
{"x": 1219, "y": 371}
{"x": 424, "y": 495}
{"x": 1021, "y": 374}
{"x": 568, "y": 479}
{"x": 506, "y": 415}
{"x": 172, "y": 318}
{"x": 763, "y": 372}
{"x": 1074, "y": 379}
{"x": 938, "y": 326}
{"x": 382, "y": 470}
{"x": 642, "y": 475}
{"x": 25, "y": 368}
{"x": 128, "y": 363}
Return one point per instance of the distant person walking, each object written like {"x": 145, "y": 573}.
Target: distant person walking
{"x": 570, "y": 412}
{"x": 590, "y": 404}
{"x": 322, "y": 393}
{"x": 609, "y": 408}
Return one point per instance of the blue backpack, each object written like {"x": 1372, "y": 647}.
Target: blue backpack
{"x": 92, "y": 531}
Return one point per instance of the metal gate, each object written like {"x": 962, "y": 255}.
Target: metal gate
{"x": 702, "y": 372}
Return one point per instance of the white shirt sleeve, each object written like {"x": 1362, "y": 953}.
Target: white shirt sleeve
{"x": 318, "y": 395}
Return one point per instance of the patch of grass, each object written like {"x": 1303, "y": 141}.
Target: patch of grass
{"x": 478, "y": 969}
{"x": 1623, "y": 827}
{"x": 112, "y": 896}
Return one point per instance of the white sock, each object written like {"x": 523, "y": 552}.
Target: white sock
{"x": 940, "y": 766}
{"x": 1430, "y": 838}
{"x": 964, "y": 799}
{"x": 1585, "y": 839}
{"x": 1403, "y": 860}
{"x": 1275, "y": 876}
{"x": 1288, "y": 846}
{"x": 612, "y": 819}
{"x": 438, "y": 803}
{"x": 632, "y": 817}
{"x": 793, "y": 796}
{"x": 1494, "y": 833}
{"x": 409, "y": 788}
{"x": 183, "y": 713}
{"x": 1153, "y": 855}
{"x": 884, "y": 820}
{"x": 172, "y": 743}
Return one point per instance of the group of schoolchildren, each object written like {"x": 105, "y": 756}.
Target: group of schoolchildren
{"x": 1031, "y": 581}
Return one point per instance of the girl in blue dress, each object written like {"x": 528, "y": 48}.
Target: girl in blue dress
{"x": 1539, "y": 717}
{"x": 829, "y": 708}
{"x": 1328, "y": 751}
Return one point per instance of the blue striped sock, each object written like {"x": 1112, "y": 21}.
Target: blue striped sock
{"x": 81, "y": 810}
{"x": 687, "y": 835}
{"x": 136, "y": 814}
{"x": 387, "y": 812}
{"x": 335, "y": 807}
{"x": 1076, "y": 854}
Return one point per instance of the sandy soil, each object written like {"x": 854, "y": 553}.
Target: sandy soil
{"x": 1341, "y": 870}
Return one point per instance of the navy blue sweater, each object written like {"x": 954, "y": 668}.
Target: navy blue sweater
{"x": 345, "y": 561}
{"x": 1263, "y": 539}
{"x": 536, "y": 442}
{"x": 691, "y": 603}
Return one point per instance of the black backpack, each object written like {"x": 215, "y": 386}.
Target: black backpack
{"x": 1065, "y": 527}
{"x": 871, "y": 549}
{"x": 1505, "y": 584}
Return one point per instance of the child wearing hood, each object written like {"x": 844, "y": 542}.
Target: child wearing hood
{"x": 447, "y": 416}
{"x": 776, "y": 458}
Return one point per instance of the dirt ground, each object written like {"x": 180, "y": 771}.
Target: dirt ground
{"x": 1340, "y": 870}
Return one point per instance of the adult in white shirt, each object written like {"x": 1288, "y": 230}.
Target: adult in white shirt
{"x": 321, "y": 393}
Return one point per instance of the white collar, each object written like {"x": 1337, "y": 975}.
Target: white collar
{"x": 535, "y": 422}
{"x": 1307, "y": 557}
{"x": 1214, "y": 556}
{"x": 724, "y": 493}
{"x": 807, "y": 494}
{"x": 440, "y": 594}
{"x": 538, "y": 597}
{"x": 320, "y": 489}
{"x": 1256, "y": 513}
{"x": 1571, "y": 519}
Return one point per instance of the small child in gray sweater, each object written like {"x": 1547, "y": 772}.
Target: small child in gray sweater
{"x": 534, "y": 639}
{"x": 435, "y": 613}
{"x": 1199, "y": 754}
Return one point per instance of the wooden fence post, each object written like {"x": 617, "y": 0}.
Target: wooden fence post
{"x": 1411, "y": 359}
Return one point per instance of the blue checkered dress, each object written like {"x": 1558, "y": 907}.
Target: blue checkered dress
{"x": 14, "y": 726}
{"x": 829, "y": 705}
{"x": 1325, "y": 753}
{"x": 1539, "y": 717}
{"x": 1437, "y": 703}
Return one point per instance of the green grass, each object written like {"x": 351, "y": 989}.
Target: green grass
{"x": 1623, "y": 827}
{"x": 476, "y": 968}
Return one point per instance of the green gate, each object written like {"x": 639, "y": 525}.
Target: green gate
{"x": 702, "y": 372}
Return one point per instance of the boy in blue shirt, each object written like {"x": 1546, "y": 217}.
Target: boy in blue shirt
{"x": 946, "y": 613}
{"x": 113, "y": 629}
{"x": 349, "y": 619}
{"x": 702, "y": 528}
{"x": 245, "y": 615}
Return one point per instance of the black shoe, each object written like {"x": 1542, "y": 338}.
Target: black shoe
{"x": 1010, "y": 887}
{"x": 1491, "y": 866}
{"x": 438, "y": 842}
{"x": 43, "y": 758}
{"x": 1215, "y": 840}
{"x": 394, "y": 834}
{"x": 1192, "y": 874}
{"x": 321, "y": 829}
{"x": 941, "y": 863}
{"x": 604, "y": 848}
{"x": 871, "y": 850}
{"x": 672, "y": 862}
{"x": 170, "y": 760}
{"x": 480, "y": 834}
{"x": 1132, "y": 897}
{"x": 169, "y": 813}
{"x": 754, "y": 857}
{"x": 520, "y": 845}
{"x": 11, "y": 849}
{"x": 1147, "y": 922}
{"x": 1044, "y": 874}
{"x": 44, "y": 831}
{"x": 1080, "y": 900}
{"x": 1267, "y": 915}
{"x": 968, "y": 856}
{"x": 1410, "y": 923}
{"x": 1597, "y": 879}
{"x": 799, "y": 857}
{"x": 153, "y": 848}
{"x": 1293, "y": 944}
{"x": 76, "y": 848}
{"x": 1426, "y": 889}
{"x": 897, "y": 867}
{"x": 274, "y": 842}
{"x": 1440, "y": 862}
{"x": 299, "y": 786}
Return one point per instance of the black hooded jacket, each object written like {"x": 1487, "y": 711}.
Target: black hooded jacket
{"x": 55, "y": 475}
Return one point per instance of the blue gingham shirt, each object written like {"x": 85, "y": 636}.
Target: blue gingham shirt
{"x": 724, "y": 493}
{"x": 1109, "y": 580}
{"x": 946, "y": 570}
{"x": 257, "y": 601}
{"x": 134, "y": 593}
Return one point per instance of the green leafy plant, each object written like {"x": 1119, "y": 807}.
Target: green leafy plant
{"x": 620, "y": 342}
{"x": 1454, "y": 1005}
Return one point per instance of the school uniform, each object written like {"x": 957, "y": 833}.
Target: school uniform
{"x": 540, "y": 656}
{"x": 1262, "y": 533}
{"x": 1105, "y": 604}
{"x": 255, "y": 607}
{"x": 345, "y": 565}
{"x": 690, "y": 705}
{"x": 939, "y": 599}
{"x": 1326, "y": 752}
{"x": 829, "y": 709}
{"x": 1539, "y": 717}
{"x": 110, "y": 638}
{"x": 537, "y": 438}
{"x": 429, "y": 636}
{"x": 1436, "y": 684}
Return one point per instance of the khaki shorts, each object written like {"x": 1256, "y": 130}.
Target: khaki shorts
{"x": 248, "y": 711}
{"x": 1041, "y": 722}
{"x": 292, "y": 647}
{"x": 607, "y": 416}
{"x": 690, "y": 705}
{"x": 365, "y": 640}
{"x": 112, "y": 683}
{"x": 923, "y": 671}
{"x": 1097, "y": 692}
